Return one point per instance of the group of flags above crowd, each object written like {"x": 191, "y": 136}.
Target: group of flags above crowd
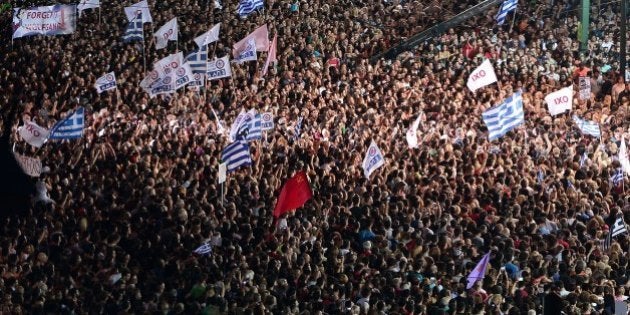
{"x": 194, "y": 70}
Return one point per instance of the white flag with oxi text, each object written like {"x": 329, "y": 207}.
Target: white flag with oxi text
{"x": 560, "y": 101}
{"x": 33, "y": 134}
{"x": 482, "y": 76}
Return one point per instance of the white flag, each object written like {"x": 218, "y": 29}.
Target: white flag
{"x": 33, "y": 134}
{"x": 373, "y": 159}
{"x": 222, "y": 172}
{"x": 208, "y": 37}
{"x": 482, "y": 76}
{"x": 412, "y": 138}
{"x": 560, "y": 101}
{"x": 220, "y": 129}
{"x": 219, "y": 68}
{"x": 167, "y": 32}
{"x": 183, "y": 76}
{"x": 88, "y": 4}
{"x": 150, "y": 79}
{"x": 106, "y": 82}
{"x": 141, "y": 7}
{"x": 168, "y": 64}
{"x": 623, "y": 156}
{"x": 248, "y": 53}
{"x": 30, "y": 166}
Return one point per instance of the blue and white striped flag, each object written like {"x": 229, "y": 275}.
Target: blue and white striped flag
{"x": 506, "y": 7}
{"x": 236, "y": 154}
{"x": 540, "y": 177}
{"x": 617, "y": 178}
{"x": 298, "y": 129}
{"x": 587, "y": 127}
{"x": 198, "y": 60}
{"x": 583, "y": 159}
{"x": 69, "y": 128}
{"x": 255, "y": 128}
{"x": 205, "y": 249}
{"x": 245, "y": 7}
{"x": 134, "y": 31}
{"x": 504, "y": 117}
{"x": 251, "y": 128}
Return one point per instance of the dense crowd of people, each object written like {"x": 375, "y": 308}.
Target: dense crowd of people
{"x": 119, "y": 212}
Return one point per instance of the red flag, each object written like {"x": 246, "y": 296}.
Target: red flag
{"x": 295, "y": 192}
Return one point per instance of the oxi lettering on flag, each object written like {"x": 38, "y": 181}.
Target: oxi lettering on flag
{"x": 481, "y": 76}
{"x": 560, "y": 101}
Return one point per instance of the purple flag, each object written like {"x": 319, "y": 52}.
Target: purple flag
{"x": 479, "y": 272}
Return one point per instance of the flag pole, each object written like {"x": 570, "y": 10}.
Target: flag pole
{"x": 144, "y": 59}
{"x": 99, "y": 16}
{"x": 222, "y": 184}
{"x": 205, "y": 77}
{"x": 513, "y": 19}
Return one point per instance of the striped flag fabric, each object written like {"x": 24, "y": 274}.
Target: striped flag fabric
{"x": 134, "y": 31}
{"x": 587, "y": 127}
{"x": 618, "y": 228}
{"x": 69, "y": 128}
{"x": 506, "y": 116}
{"x": 236, "y": 154}
{"x": 298, "y": 129}
{"x": 254, "y": 128}
{"x": 205, "y": 249}
{"x": 198, "y": 60}
{"x": 617, "y": 177}
{"x": 506, "y": 7}
{"x": 247, "y": 126}
{"x": 246, "y": 7}
{"x": 583, "y": 159}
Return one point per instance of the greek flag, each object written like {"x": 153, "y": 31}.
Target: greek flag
{"x": 198, "y": 60}
{"x": 69, "y": 128}
{"x": 617, "y": 178}
{"x": 245, "y": 7}
{"x": 540, "y": 177}
{"x": 506, "y": 7}
{"x": 134, "y": 31}
{"x": 618, "y": 228}
{"x": 205, "y": 249}
{"x": 251, "y": 130}
{"x": 583, "y": 159}
{"x": 236, "y": 154}
{"x": 587, "y": 127}
{"x": 504, "y": 117}
{"x": 298, "y": 129}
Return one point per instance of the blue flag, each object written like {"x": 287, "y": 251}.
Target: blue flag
{"x": 504, "y": 117}
{"x": 134, "y": 31}
{"x": 69, "y": 128}
{"x": 587, "y": 127}
{"x": 198, "y": 60}
{"x": 479, "y": 272}
{"x": 245, "y": 7}
{"x": 236, "y": 154}
{"x": 506, "y": 7}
